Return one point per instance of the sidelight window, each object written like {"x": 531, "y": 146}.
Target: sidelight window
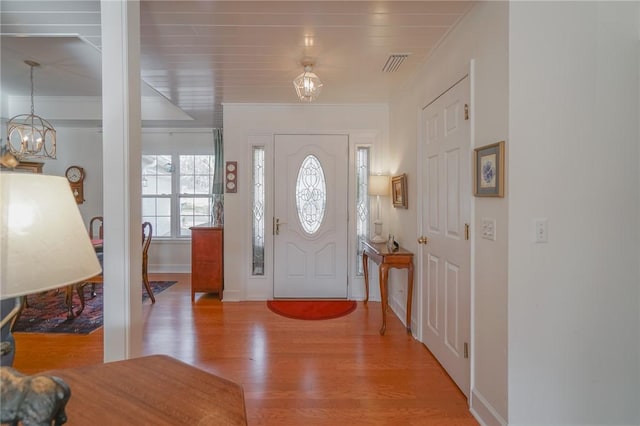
{"x": 362, "y": 202}
{"x": 258, "y": 206}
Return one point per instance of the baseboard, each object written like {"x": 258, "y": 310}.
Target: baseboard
{"x": 399, "y": 308}
{"x": 484, "y": 413}
{"x": 164, "y": 268}
{"x": 231, "y": 296}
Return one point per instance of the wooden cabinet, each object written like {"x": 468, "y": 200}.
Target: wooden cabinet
{"x": 206, "y": 260}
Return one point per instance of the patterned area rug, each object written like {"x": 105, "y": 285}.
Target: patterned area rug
{"x": 312, "y": 309}
{"x": 47, "y": 312}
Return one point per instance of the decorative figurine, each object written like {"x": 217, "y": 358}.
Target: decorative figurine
{"x": 392, "y": 244}
{"x": 34, "y": 400}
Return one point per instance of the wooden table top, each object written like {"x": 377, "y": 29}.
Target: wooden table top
{"x": 152, "y": 390}
{"x": 383, "y": 250}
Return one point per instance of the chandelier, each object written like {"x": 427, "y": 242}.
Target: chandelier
{"x": 308, "y": 85}
{"x": 31, "y": 136}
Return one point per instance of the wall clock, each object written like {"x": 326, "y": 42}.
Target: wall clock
{"x": 75, "y": 176}
{"x": 231, "y": 176}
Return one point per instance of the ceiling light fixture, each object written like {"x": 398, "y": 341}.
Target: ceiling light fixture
{"x": 308, "y": 86}
{"x": 31, "y": 136}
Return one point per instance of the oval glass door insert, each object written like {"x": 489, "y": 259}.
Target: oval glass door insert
{"x": 311, "y": 194}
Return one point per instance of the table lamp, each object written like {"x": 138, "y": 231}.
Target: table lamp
{"x": 43, "y": 245}
{"x": 378, "y": 186}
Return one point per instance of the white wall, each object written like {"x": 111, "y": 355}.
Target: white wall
{"x": 573, "y": 303}
{"x": 481, "y": 36}
{"x": 81, "y": 147}
{"x": 246, "y": 124}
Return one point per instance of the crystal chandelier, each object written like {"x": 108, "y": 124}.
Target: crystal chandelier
{"x": 31, "y": 136}
{"x": 308, "y": 85}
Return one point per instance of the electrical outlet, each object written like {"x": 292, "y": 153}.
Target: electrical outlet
{"x": 541, "y": 231}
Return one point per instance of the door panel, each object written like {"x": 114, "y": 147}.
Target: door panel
{"x": 310, "y": 205}
{"x": 446, "y": 257}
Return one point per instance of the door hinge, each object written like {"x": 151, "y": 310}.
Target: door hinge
{"x": 466, "y": 350}
{"x": 466, "y": 111}
{"x": 466, "y": 231}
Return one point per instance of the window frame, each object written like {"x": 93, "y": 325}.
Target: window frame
{"x": 176, "y": 196}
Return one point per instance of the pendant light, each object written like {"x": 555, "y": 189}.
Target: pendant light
{"x": 308, "y": 86}
{"x": 31, "y": 136}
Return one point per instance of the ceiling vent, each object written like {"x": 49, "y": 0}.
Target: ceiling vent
{"x": 394, "y": 61}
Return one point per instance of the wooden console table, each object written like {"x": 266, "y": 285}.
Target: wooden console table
{"x": 151, "y": 390}
{"x": 207, "y": 259}
{"x": 387, "y": 259}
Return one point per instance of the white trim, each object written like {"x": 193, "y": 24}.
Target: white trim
{"x": 355, "y": 280}
{"x": 357, "y": 139}
{"x": 170, "y": 241}
{"x": 419, "y": 270}
{"x": 121, "y": 168}
{"x": 170, "y": 130}
{"x": 472, "y": 238}
{"x": 232, "y": 296}
{"x": 154, "y": 108}
{"x": 263, "y": 290}
{"x": 484, "y": 413}
{"x": 315, "y": 105}
{"x": 168, "y": 268}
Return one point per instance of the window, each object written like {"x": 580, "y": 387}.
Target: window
{"x": 258, "y": 206}
{"x": 311, "y": 194}
{"x": 362, "y": 203}
{"x": 176, "y": 192}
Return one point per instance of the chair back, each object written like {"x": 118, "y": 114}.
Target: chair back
{"x": 147, "y": 234}
{"x": 96, "y": 224}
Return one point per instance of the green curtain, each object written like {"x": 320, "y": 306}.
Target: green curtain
{"x": 217, "y": 213}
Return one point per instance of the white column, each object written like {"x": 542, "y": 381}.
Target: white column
{"x": 121, "y": 171}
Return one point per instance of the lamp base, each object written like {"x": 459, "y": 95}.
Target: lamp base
{"x": 378, "y": 239}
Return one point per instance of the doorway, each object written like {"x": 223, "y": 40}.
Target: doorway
{"x": 445, "y": 258}
{"x": 310, "y": 223}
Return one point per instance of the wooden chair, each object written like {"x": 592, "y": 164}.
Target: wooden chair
{"x": 96, "y": 221}
{"x": 96, "y": 232}
{"x": 147, "y": 235}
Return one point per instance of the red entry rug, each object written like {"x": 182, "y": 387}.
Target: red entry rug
{"x": 47, "y": 312}
{"x": 312, "y": 309}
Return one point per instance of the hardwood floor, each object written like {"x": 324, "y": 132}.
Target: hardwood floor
{"x": 332, "y": 372}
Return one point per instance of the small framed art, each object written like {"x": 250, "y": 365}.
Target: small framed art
{"x": 231, "y": 177}
{"x": 399, "y": 191}
{"x": 489, "y": 171}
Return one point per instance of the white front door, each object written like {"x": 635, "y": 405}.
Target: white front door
{"x": 310, "y": 216}
{"x": 446, "y": 256}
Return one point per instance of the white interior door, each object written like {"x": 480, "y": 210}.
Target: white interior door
{"x": 446, "y": 256}
{"x": 310, "y": 216}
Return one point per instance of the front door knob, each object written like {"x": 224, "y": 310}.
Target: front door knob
{"x": 423, "y": 240}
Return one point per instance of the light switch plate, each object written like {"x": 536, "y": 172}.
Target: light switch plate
{"x": 540, "y": 230}
{"x": 488, "y": 228}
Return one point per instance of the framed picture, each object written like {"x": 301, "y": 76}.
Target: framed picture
{"x": 399, "y": 191}
{"x": 489, "y": 171}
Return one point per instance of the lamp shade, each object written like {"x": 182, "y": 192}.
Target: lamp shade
{"x": 378, "y": 185}
{"x": 43, "y": 240}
